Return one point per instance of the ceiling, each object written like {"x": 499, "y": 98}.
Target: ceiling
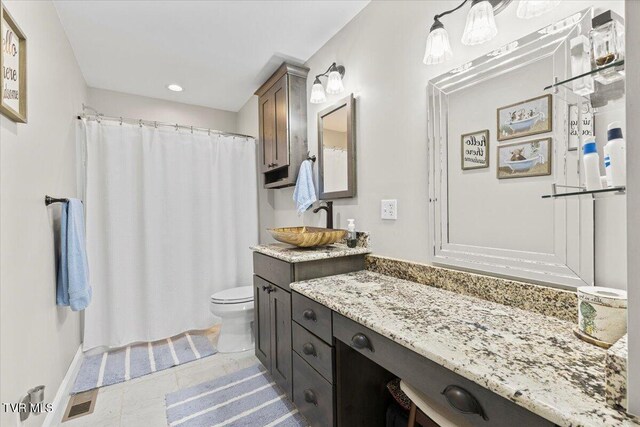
{"x": 220, "y": 52}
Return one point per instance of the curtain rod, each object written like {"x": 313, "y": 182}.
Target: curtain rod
{"x": 99, "y": 117}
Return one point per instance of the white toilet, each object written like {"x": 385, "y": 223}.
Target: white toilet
{"x": 235, "y": 308}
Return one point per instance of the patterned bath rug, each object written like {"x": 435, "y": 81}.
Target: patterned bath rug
{"x": 244, "y": 398}
{"x": 134, "y": 361}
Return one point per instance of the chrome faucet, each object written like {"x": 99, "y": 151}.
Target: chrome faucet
{"x": 329, "y": 208}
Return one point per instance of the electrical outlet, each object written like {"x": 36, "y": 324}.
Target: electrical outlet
{"x": 389, "y": 209}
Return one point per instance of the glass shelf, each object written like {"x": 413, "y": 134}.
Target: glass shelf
{"x": 589, "y": 73}
{"x": 617, "y": 190}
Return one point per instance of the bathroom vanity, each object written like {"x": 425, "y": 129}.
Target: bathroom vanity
{"x": 334, "y": 325}
{"x": 487, "y": 363}
{"x": 275, "y": 267}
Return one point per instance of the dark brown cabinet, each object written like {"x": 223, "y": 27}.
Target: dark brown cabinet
{"x": 273, "y": 331}
{"x": 273, "y": 129}
{"x": 280, "y": 306}
{"x": 262, "y": 324}
{"x": 274, "y": 313}
{"x": 282, "y": 112}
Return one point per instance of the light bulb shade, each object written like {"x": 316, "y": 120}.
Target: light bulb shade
{"x": 481, "y": 24}
{"x": 528, "y": 9}
{"x": 317, "y": 94}
{"x": 438, "y": 48}
{"x": 334, "y": 83}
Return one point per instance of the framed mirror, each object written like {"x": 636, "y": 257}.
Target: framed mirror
{"x": 337, "y": 150}
{"x": 501, "y": 116}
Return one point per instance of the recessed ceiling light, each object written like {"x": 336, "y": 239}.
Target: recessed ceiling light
{"x": 174, "y": 88}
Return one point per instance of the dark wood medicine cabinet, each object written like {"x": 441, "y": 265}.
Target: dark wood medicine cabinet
{"x": 282, "y": 135}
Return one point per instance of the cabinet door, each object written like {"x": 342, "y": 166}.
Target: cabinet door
{"x": 281, "y": 143}
{"x": 262, "y": 322}
{"x": 281, "y": 339}
{"x": 267, "y": 116}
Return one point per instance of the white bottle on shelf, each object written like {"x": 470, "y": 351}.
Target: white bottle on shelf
{"x": 617, "y": 155}
{"x": 591, "y": 162}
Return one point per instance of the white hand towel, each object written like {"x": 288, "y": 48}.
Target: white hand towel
{"x": 305, "y": 193}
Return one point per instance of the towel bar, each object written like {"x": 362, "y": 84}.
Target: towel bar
{"x": 49, "y": 200}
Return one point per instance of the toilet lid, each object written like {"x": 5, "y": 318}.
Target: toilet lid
{"x": 237, "y": 295}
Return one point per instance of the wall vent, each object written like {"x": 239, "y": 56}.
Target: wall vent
{"x": 80, "y": 404}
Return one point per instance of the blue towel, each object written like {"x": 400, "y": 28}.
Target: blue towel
{"x": 73, "y": 270}
{"x": 305, "y": 193}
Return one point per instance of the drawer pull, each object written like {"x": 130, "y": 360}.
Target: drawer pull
{"x": 310, "y": 396}
{"x": 360, "y": 341}
{"x": 463, "y": 401}
{"x": 309, "y": 314}
{"x": 309, "y": 349}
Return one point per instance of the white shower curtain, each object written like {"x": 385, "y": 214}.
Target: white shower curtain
{"x": 170, "y": 218}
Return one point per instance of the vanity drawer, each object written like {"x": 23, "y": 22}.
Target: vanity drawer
{"x": 273, "y": 270}
{"x": 432, "y": 379}
{"x": 314, "y": 351}
{"x": 313, "y": 316}
{"x": 312, "y": 394}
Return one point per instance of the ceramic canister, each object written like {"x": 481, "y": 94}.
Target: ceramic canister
{"x": 602, "y": 313}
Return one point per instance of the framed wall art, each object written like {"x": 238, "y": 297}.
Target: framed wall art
{"x": 13, "y": 62}
{"x": 475, "y": 150}
{"x": 525, "y": 159}
{"x": 525, "y": 118}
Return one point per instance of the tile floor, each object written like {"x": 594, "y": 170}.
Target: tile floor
{"x": 140, "y": 402}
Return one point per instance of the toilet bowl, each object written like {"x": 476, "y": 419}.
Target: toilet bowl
{"x": 235, "y": 308}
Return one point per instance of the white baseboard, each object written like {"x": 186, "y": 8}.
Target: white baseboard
{"x": 54, "y": 418}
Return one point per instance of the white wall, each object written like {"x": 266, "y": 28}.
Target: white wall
{"x": 248, "y": 125}
{"x": 633, "y": 198}
{"x": 38, "y": 339}
{"x": 248, "y": 117}
{"x": 119, "y": 104}
{"x": 382, "y": 50}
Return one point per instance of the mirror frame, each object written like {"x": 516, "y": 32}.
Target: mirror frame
{"x": 545, "y": 268}
{"x": 349, "y": 103}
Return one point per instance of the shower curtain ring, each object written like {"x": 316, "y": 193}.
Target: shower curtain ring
{"x": 209, "y": 132}
{"x": 120, "y": 120}
{"x": 176, "y": 127}
{"x": 155, "y": 125}
{"x": 191, "y": 129}
{"x": 140, "y": 122}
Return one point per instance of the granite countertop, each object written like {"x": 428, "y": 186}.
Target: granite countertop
{"x": 533, "y": 360}
{"x": 294, "y": 254}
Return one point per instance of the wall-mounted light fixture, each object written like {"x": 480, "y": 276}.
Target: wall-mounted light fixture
{"x": 334, "y": 75}
{"x": 480, "y": 26}
{"x": 481, "y": 23}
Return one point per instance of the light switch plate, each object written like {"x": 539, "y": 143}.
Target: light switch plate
{"x": 389, "y": 209}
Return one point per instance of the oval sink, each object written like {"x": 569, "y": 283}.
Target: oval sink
{"x": 307, "y": 237}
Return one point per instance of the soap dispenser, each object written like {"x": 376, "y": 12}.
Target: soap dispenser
{"x": 352, "y": 238}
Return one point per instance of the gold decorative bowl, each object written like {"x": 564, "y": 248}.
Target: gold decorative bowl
{"x": 307, "y": 237}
